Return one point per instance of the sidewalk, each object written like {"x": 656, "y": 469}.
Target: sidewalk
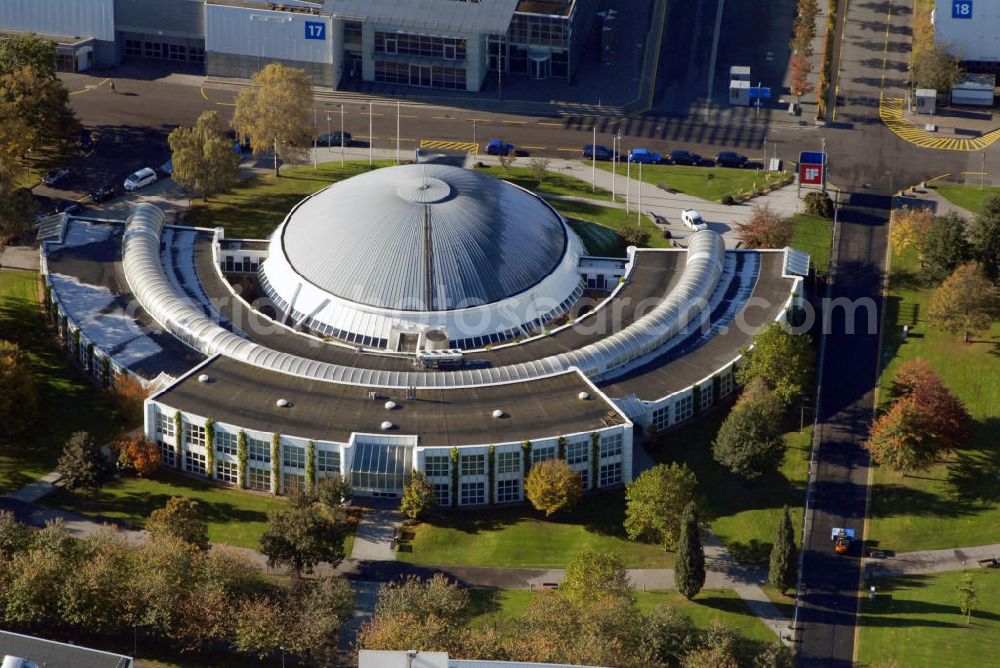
{"x": 929, "y": 561}
{"x": 373, "y": 538}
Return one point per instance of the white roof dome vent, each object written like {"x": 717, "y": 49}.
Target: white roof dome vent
{"x": 204, "y": 378}
{"x": 498, "y": 414}
{"x": 386, "y": 426}
{"x": 583, "y": 396}
{"x": 282, "y": 403}
{"x": 390, "y": 405}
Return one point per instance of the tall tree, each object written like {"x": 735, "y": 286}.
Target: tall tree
{"x": 18, "y": 395}
{"x": 689, "y": 570}
{"x": 418, "y": 497}
{"x": 966, "y": 302}
{"x": 321, "y": 606}
{"x": 42, "y": 105}
{"x": 552, "y": 486}
{"x": 300, "y": 538}
{"x": 82, "y": 464}
{"x": 749, "y": 442}
{"x": 783, "y": 567}
{"x": 654, "y": 502}
{"x": 28, "y": 50}
{"x": 943, "y": 248}
{"x": 933, "y": 67}
{"x": 591, "y": 576}
{"x": 910, "y": 375}
{"x": 17, "y": 205}
{"x": 765, "y": 229}
{"x": 275, "y": 112}
{"x": 967, "y": 596}
{"x": 784, "y": 360}
{"x": 334, "y": 491}
{"x": 139, "y": 455}
{"x": 909, "y": 227}
{"x": 984, "y": 233}
{"x": 203, "y": 157}
{"x": 181, "y": 518}
{"x": 897, "y": 440}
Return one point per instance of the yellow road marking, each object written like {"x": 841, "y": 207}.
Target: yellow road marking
{"x": 558, "y": 125}
{"x": 481, "y": 120}
{"x": 456, "y": 145}
{"x": 890, "y": 110}
{"x": 90, "y": 87}
{"x": 516, "y": 122}
{"x": 534, "y": 148}
{"x": 570, "y": 150}
{"x": 442, "y": 118}
{"x": 221, "y": 104}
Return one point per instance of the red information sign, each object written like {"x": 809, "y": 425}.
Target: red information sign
{"x": 811, "y": 174}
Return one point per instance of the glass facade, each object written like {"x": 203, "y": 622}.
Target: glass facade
{"x": 225, "y": 442}
{"x": 426, "y": 46}
{"x": 380, "y": 468}
{"x": 418, "y": 74}
{"x": 227, "y": 472}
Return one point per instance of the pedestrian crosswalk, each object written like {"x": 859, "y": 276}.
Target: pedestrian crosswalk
{"x": 891, "y": 112}
{"x": 455, "y": 145}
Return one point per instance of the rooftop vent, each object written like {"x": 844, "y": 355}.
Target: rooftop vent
{"x": 498, "y": 413}
{"x": 386, "y": 426}
{"x": 373, "y": 396}
{"x": 390, "y": 405}
{"x": 203, "y": 378}
{"x": 281, "y": 403}
{"x": 583, "y": 396}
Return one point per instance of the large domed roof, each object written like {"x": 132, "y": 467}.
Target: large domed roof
{"x": 423, "y": 238}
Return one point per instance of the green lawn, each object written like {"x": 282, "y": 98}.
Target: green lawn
{"x": 708, "y": 607}
{"x": 915, "y": 622}
{"x": 521, "y": 537}
{"x": 234, "y": 517}
{"x": 970, "y": 197}
{"x": 554, "y": 183}
{"x": 744, "y": 515}
{"x": 614, "y": 219}
{"x": 813, "y": 235}
{"x": 255, "y": 206}
{"x": 599, "y": 240}
{"x": 956, "y": 502}
{"x": 66, "y": 401}
{"x": 711, "y": 183}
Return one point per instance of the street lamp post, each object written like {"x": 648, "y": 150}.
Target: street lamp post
{"x": 593, "y": 162}
{"x": 315, "y": 141}
{"x": 638, "y": 208}
{"x": 397, "y": 132}
{"x": 475, "y": 142}
{"x": 371, "y": 138}
{"x": 614, "y": 162}
{"x": 329, "y": 142}
{"x": 341, "y": 135}
{"x": 628, "y": 181}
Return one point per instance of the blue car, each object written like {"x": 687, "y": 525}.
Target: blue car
{"x": 645, "y": 156}
{"x": 498, "y": 147}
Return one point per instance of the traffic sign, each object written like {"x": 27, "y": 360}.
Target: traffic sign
{"x": 811, "y": 157}
{"x": 811, "y": 175}
{"x": 760, "y": 93}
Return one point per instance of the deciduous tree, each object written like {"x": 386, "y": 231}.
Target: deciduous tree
{"x": 334, "y": 491}
{"x": 784, "y": 360}
{"x": 896, "y": 439}
{"x": 765, "y": 229}
{"x": 909, "y": 227}
{"x": 967, "y": 596}
{"x": 943, "y": 248}
{"x": 275, "y": 112}
{"x": 984, "y": 232}
{"x": 935, "y": 68}
{"x": 181, "y": 518}
{"x": 689, "y": 570}
{"x": 82, "y": 465}
{"x": 418, "y": 497}
{"x": 591, "y": 576}
{"x": 300, "y": 538}
{"x": 783, "y": 567}
{"x": 910, "y": 375}
{"x": 552, "y": 486}
{"x": 138, "y": 455}
{"x": 26, "y": 50}
{"x": 203, "y": 156}
{"x": 749, "y": 442}
{"x": 18, "y": 395}
{"x": 42, "y": 104}
{"x": 654, "y": 502}
{"x": 130, "y": 396}
{"x": 966, "y": 302}
{"x": 321, "y": 607}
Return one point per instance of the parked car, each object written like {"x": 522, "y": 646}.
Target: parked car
{"x": 103, "y": 193}
{"x": 140, "y": 179}
{"x": 168, "y": 167}
{"x": 67, "y": 206}
{"x": 54, "y": 176}
{"x": 591, "y": 151}
{"x": 730, "y": 159}
{"x": 693, "y": 220}
{"x": 86, "y": 140}
{"x": 333, "y": 139}
{"x": 644, "y": 156}
{"x": 685, "y": 158}
{"x": 499, "y": 147}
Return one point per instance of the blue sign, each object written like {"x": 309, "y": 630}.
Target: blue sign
{"x": 811, "y": 158}
{"x": 760, "y": 93}
{"x": 315, "y": 30}
{"x": 961, "y": 9}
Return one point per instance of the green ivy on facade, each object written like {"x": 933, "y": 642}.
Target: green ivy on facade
{"x": 526, "y": 457}
{"x": 275, "y": 463}
{"x": 210, "y": 447}
{"x": 310, "y": 466}
{"x": 491, "y": 456}
{"x": 454, "y": 476}
{"x": 241, "y": 458}
{"x": 178, "y": 439}
{"x": 595, "y": 458}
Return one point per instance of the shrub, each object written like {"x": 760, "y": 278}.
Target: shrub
{"x": 553, "y": 486}
{"x": 635, "y": 236}
{"x": 819, "y": 204}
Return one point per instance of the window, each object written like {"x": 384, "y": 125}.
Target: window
{"x": 611, "y": 474}
{"x": 661, "y": 417}
{"x": 291, "y": 482}
{"x": 258, "y": 450}
{"x": 706, "y": 397}
{"x": 449, "y": 51}
{"x": 508, "y": 462}
{"x": 153, "y": 50}
{"x": 683, "y": 409}
{"x": 225, "y": 442}
{"x": 133, "y": 47}
{"x": 352, "y": 32}
{"x": 196, "y": 54}
{"x": 473, "y": 493}
{"x": 167, "y": 454}
{"x": 436, "y": 466}
{"x": 259, "y": 479}
{"x": 576, "y": 453}
{"x": 327, "y": 462}
{"x": 293, "y": 456}
{"x": 541, "y": 454}
{"x": 227, "y": 472}
{"x": 194, "y": 434}
{"x": 164, "y": 425}
{"x": 726, "y": 383}
{"x": 508, "y": 490}
{"x": 194, "y": 462}
{"x": 473, "y": 465}
{"x": 442, "y": 494}
{"x": 585, "y": 477}
{"x": 611, "y": 445}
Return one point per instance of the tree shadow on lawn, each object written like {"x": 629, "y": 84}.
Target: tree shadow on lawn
{"x": 974, "y": 473}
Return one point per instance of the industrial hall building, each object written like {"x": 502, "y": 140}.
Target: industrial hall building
{"x": 450, "y": 44}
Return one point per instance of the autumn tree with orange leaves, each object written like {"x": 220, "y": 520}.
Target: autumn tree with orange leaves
{"x": 138, "y": 455}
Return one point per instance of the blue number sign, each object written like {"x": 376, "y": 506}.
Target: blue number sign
{"x": 961, "y": 9}
{"x": 315, "y": 30}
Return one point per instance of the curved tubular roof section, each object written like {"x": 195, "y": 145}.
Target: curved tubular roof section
{"x": 147, "y": 280}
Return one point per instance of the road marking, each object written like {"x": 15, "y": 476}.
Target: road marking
{"x": 558, "y": 125}
{"x": 534, "y": 148}
{"x": 89, "y": 87}
{"x": 455, "y": 145}
{"x": 517, "y": 122}
{"x": 406, "y": 116}
{"x": 840, "y": 60}
{"x": 443, "y": 118}
{"x": 221, "y": 104}
{"x": 570, "y": 150}
{"x": 890, "y": 110}
{"x": 480, "y": 120}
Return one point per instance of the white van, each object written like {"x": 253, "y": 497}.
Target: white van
{"x": 140, "y": 179}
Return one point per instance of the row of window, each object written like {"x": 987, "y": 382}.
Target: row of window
{"x": 243, "y": 263}
{"x": 684, "y": 408}
{"x": 164, "y": 51}
{"x": 427, "y": 46}
{"x": 414, "y": 74}
{"x": 577, "y": 452}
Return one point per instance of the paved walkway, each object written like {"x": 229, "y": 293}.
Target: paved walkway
{"x": 19, "y": 257}
{"x": 373, "y": 538}
{"x": 930, "y": 561}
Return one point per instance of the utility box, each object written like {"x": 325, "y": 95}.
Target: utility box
{"x": 739, "y": 73}
{"x": 739, "y": 93}
{"x": 926, "y": 100}
{"x": 974, "y": 90}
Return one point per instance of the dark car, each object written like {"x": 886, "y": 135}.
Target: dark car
{"x": 333, "y": 139}
{"x": 685, "y": 158}
{"x": 498, "y": 147}
{"x": 644, "y": 156}
{"x": 730, "y": 159}
{"x": 599, "y": 152}
{"x": 103, "y": 193}
{"x": 86, "y": 140}
{"x": 54, "y": 176}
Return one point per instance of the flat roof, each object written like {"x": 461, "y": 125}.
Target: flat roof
{"x": 684, "y": 365}
{"x": 485, "y": 16}
{"x": 556, "y": 7}
{"x": 245, "y": 395}
{"x": 51, "y": 653}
